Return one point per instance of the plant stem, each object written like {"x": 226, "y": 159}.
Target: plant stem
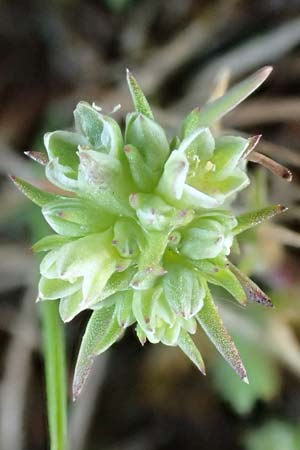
{"x": 55, "y": 369}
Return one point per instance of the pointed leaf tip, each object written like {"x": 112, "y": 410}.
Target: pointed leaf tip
{"x": 253, "y": 292}
{"x": 34, "y": 194}
{"x": 214, "y": 111}
{"x": 39, "y": 157}
{"x": 101, "y": 332}
{"x": 187, "y": 345}
{"x": 253, "y": 218}
{"x": 212, "y": 324}
{"x": 138, "y": 97}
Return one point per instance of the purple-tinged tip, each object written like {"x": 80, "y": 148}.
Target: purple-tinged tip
{"x": 282, "y": 208}
{"x": 127, "y": 149}
{"x": 38, "y": 157}
{"x": 287, "y": 175}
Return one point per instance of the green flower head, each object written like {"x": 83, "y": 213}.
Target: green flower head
{"x": 143, "y": 226}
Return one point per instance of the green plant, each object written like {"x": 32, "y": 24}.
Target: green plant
{"x": 144, "y": 225}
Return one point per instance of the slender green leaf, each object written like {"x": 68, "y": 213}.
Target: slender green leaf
{"x": 34, "y": 194}
{"x": 214, "y": 111}
{"x": 139, "y": 100}
{"x": 186, "y": 344}
{"x": 253, "y": 218}
{"x": 101, "y": 332}
{"x": 222, "y": 276}
{"x": 212, "y": 324}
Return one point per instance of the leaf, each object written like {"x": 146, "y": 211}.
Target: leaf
{"x": 190, "y": 123}
{"x": 172, "y": 181}
{"x": 50, "y": 242}
{"x": 103, "y": 132}
{"x": 212, "y": 324}
{"x": 144, "y": 308}
{"x": 34, "y": 194}
{"x": 253, "y": 292}
{"x": 71, "y": 216}
{"x": 214, "y": 111}
{"x": 139, "y": 100}
{"x": 253, "y": 218}
{"x": 70, "y": 306}
{"x": 186, "y": 344}
{"x": 124, "y": 314}
{"x": 228, "y": 152}
{"x": 222, "y": 276}
{"x": 183, "y": 290}
{"x": 50, "y": 289}
{"x": 204, "y": 240}
{"x": 101, "y": 332}
{"x": 119, "y": 281}
{"x": 101, "y": 179}
{"x": 140, "y": 172}
{"x": 149, "y": 138}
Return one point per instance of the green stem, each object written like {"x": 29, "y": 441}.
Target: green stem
{"x": 54, "y": 354}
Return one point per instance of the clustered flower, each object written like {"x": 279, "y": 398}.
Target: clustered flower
{"x": 143, "y": 226}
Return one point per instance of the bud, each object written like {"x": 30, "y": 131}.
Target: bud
{"x": 183, "y": 290}
{"x": 208, "y": 236}
{"x": 144, "y": 307}
{"x": 101, "y": 179}
{"x": 103, "y": 132}
{"x": 123, "y": 311}
{"x": 143, "y": 176}
{"x": 127, "y": 238}
{"x": 75, "y": 217}
{"x": 150, "y": 139}
{"x": 153, "y": 213}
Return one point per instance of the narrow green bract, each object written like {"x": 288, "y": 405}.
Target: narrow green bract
{"x": 144, "y": 226}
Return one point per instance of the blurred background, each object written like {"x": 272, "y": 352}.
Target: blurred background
{"x": 55, "y": 53}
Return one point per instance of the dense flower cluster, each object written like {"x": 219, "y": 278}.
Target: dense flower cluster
{"x": 144, "y": 225}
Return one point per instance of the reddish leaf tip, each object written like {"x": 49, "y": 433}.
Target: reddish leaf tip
{"x": 287, "y": 175}
{"x": 282, "y": 208}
